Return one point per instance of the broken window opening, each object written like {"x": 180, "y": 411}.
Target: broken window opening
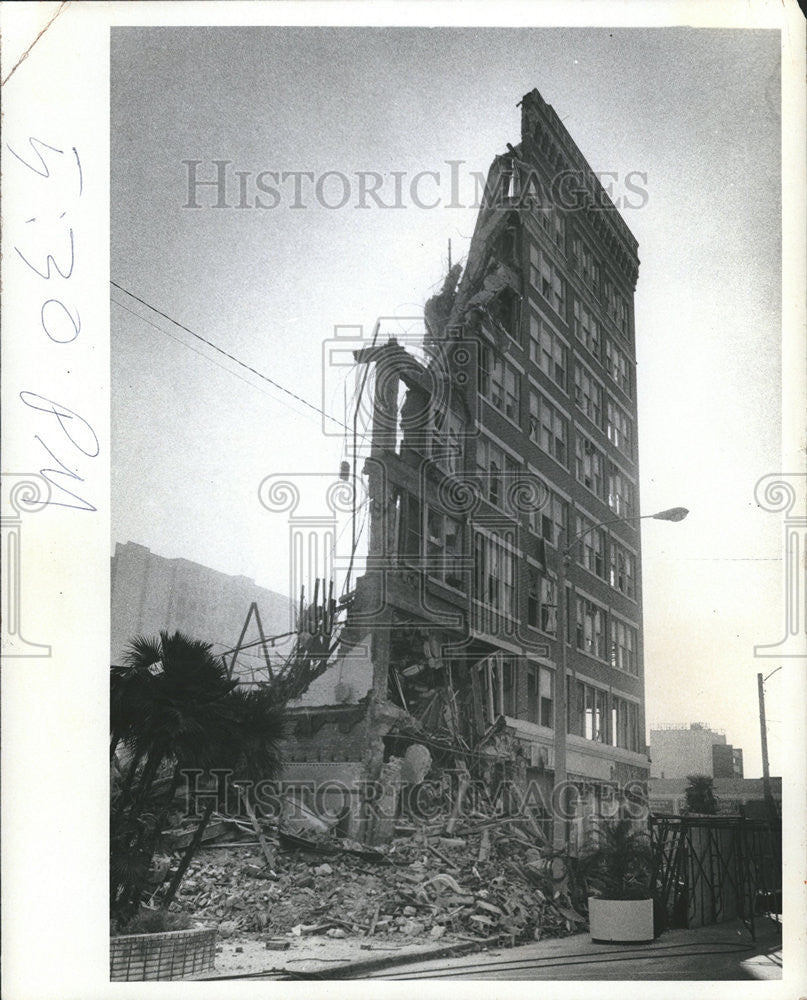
{"x": 542, "y": 601}
{"x": 447, "y": 439}
{"x": 505, "y": 309}
{"x": 444, "y": 548}
{"x": 540, "y": 695}
{"x": 411, "y": 535}
{"x": 508, "y": 245}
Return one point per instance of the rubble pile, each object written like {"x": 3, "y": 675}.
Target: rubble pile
{"x": 489, "y": 885}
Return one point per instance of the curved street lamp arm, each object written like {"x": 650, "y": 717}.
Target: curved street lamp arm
{"x": 602, "y": 524}
{"x": 673, "y": 514}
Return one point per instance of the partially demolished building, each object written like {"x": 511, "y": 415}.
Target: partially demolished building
{"x": 509, "y": 435}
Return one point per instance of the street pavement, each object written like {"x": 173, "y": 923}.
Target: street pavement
{"x": 721, "y": 952}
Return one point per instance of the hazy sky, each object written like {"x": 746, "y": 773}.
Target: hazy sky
{"x": 696, "y": 111}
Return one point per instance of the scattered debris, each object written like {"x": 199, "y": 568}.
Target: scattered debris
{"x": 492, "y": 884}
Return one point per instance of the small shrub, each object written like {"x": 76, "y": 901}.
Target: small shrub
{"x": 149, "y": 921}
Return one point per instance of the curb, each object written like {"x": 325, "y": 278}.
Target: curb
{"x": 354, "y": 970}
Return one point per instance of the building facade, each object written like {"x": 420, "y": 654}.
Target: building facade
{"x": 678, "y": 751}
{"x": 510, "y": 434}
{"x": 151, "y": 593}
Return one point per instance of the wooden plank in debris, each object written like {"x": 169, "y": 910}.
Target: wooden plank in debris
{"x": 442, "y": 857}
{"x": 268, "y": 853}
{"x": 463, "y": 781}
{"x": 236, "y": 843}
{"x": 476, "y": 697}
{"x": 181, "y": 838}
{"x": 489, "y": 907}
{"x": 532, "y": 825}
{"x": 484, "y": 846}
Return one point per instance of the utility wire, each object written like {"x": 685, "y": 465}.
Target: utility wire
{"x": 226, "y": 354}
{"x": 195, "y": 350}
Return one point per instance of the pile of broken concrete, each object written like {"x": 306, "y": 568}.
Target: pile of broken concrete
{"x": 490, "y": 886}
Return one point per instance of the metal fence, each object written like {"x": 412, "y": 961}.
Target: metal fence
{"x": 708, "y": 869}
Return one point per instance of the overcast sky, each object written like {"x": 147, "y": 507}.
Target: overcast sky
{"x": 696, "y": 111}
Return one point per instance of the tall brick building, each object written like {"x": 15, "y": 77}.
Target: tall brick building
{"x": 511, "y": 433}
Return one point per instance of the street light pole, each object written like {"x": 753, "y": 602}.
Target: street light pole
{"x": 559, "y": 797}
{"x": 763, "y": 732}
{"x": 564, "y": 558}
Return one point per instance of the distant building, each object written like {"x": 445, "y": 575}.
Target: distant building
{"x": 727, "y": 761}
{"x": 678, "y": 751}
{"x": 151, "y": 593}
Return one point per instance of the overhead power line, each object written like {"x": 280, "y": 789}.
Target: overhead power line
{"x": 227, "y": 354}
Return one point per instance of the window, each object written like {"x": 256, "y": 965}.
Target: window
{"x": 623, "y": 647}
{"x": 512, "y": 393}
{"x": 542, "y": 601}
{"x": 617, "y": 307}
{"x": 500, "y": 687}
{"x": 589, "y": 627}
{"x": 540, "y": 695}
{"x": 610, "y": 297}
{"x": 444, "y": 548}
{"x": 587, "y": 266}
{"x": 548, "y": 351}
{"x": 499, "y": 383}
{"x": 622, "y": 320}
{"x": 617, "y": 366}
{"x": 624, "y": 723}
{"x": 621, "y": 492}
{"x": 588, "y": 393}
{"x": 509, "y": 668}
{"x": 447, "y": 440}
{"x": 532, "y": 188}
{"x": 498, "y": 471}
{"x": 586, "y": 328}
{"x": 547, "y": 279}
{"x": 491, "y": 376}
{"x": 508, "y": 244}
{"x": 591, "y": 547}
{"x": 622, "y": 570}
{"x": 554, "y": 223}
{"x": 588, "y": 464}
{"x": 588, "y": 711}
{"x": 494, "y": 572}
{"x": 548, "y": 427}
{"x": 551, "y": 520}
{"x": 619, "y": 428}
{"x": 410, "y": 531}
{"x": 505, "y": 309}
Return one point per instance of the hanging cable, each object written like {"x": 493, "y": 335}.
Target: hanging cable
{"x": 226, "y": 354}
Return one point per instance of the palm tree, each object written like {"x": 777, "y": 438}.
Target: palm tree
{"x": 249, "y": 730}
{"x": 700, "y": 795}
{"x": 172, "y": 703}
{"x": 620, "y": 864}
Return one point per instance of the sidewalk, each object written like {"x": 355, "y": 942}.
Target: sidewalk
{"x": 722, "y": 951}
{"x": 719, "y": 952}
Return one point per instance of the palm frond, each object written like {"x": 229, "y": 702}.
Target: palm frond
{"x": 143, "y": 652}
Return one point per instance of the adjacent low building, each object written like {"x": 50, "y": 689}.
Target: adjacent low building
{"x": 735, "y": 796}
